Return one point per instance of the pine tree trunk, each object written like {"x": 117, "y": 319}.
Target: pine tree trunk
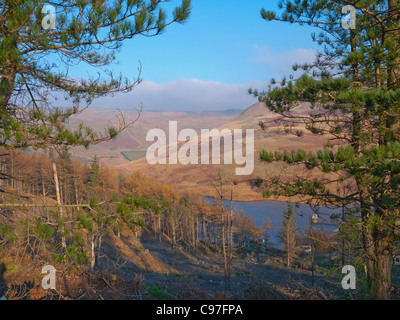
{"x": 379, "y": 264}
{"x": 7, "y": 80}
{"x": 394, "y": 65}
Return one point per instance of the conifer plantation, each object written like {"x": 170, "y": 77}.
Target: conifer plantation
{"x": 96, "y": 208}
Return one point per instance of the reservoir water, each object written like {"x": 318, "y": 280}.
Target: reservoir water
{"x": 259, "y": 210}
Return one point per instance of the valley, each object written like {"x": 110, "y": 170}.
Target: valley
{"x": 132, "y": 145}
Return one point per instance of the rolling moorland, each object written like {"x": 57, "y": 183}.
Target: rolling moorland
{"x": 133, "y": 139}
{"x": 127, "y": 152}
{"x": 274, "y": 136}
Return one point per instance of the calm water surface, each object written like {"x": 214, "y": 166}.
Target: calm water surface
{"x": 259, "y": 210}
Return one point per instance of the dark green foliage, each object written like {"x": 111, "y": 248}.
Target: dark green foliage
{"x": 156, "y": 292}
{"x": 7, "y": 232}
{"x": 88, "y": 32}
{"x": 84, "y": 221}
{"x": 74, "y": 255}
{"x": 354, "y": 90}
{"x": 43, "y": 231}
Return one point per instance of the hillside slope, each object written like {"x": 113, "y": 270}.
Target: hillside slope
{"x": 197, "y": 177}
{"x": 133, "y": 139}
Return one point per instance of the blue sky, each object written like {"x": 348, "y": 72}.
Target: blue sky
{"x": 209, "y": 62}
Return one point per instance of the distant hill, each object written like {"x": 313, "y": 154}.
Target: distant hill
{"x": 131, "y": 143}
{"x": 196, "y": 177}
{"x": 207, "y": 113}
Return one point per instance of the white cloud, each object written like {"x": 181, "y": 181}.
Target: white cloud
{"x": 184, "y": 94}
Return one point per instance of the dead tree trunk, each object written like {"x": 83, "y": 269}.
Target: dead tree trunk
{"x": 60, "y": 210}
